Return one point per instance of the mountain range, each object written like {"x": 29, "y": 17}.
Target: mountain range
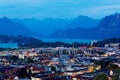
{"x": 49, "y": 25}
{"x": 108, "y": 27}
{"x": 8, "y": 27}
{"x": 81, "y": 27}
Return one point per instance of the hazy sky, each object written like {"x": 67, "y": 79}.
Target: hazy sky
{"x": 58, "y": 8}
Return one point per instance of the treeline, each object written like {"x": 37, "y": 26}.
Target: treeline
{"x": 51, "y": 44}
{"x": 75, "y": 44}
{"x": 17, "y": 39}
{"x": 106, "y": 41}
{"x": 30, "y": 42}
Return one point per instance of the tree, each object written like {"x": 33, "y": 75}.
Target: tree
{"x": 100, "y": 53}
{"x": 113, "y": 67}
{"x": 101, "y": 76}
{"x": 115, "y": 77}
{"x": 30, "y": 60}
{"x": 104, "y": 62}
{"x": 22, "y": 73}
{"x": 53, "y": 68}
{"x": 14, "y": 58}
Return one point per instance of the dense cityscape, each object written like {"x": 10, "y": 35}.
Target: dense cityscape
{"x": 61, "y": 63}
{"x": 59, "y": 40}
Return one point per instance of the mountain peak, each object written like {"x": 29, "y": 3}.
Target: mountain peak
{"x": 112, "y": 21}
{"x": 5, "y": 19}
{"x": 108, "y": 27}
{"x": 82, "y": 17}
{"x": 117, "y": 15}
{"x": 84, "y": 22}
{"x": 9, "y": 27}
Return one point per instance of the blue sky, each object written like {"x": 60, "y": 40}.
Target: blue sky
{"x": 58, "y": 8}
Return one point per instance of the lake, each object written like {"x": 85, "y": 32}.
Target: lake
{"x": 67, "y": 40}
{"x": 8, "y": 45}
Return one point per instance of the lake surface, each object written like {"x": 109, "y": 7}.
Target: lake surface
{"x": 8, "y": 45}
{"x": 15, "y": 45}
{"x": 67, "y": 40}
